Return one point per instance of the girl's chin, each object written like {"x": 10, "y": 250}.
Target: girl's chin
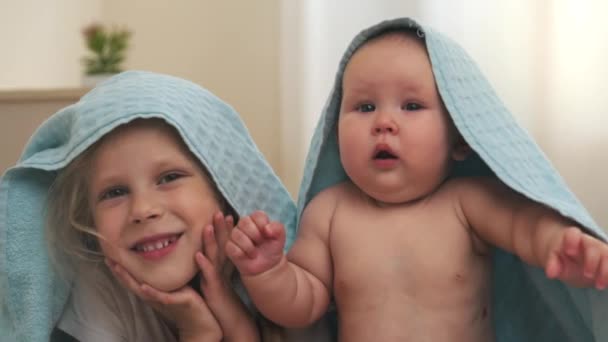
{"x": 169, "y": 285}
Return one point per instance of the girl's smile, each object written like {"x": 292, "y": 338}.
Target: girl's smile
{"x": 150, "y": 200}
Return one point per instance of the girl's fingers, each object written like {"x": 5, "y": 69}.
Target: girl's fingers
{"x": 210, "y": 243}
{"x": 210, "y": 276}
{"x": 124, "y": 277}
{"x": 184, "y": 296}
{"x": 223, "y": 226}
{"x": 154, "y": 295}
{"x": 144, "y": 291}
{"x": 222, "y": 235}
{"x": 215, "y": 238}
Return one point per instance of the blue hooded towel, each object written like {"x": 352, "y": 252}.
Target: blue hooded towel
{"x": 528, "y": 307}
{"x": 32, "y": 295}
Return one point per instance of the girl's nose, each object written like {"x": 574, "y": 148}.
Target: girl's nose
{"x": 384, "y": 124}
{"x": 145, "y": 208}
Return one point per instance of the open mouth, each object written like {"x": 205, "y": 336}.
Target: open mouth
{"x": 384, "y": 154}
{"x": 155, "y": 244}
{"x": 384, "y": 158}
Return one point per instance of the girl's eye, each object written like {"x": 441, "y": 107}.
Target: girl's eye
{"x": 411, "y": 106}
{"x": 169, "y": 177}
{"x": 366, "y": 107}
{"x": 113, "y": 193}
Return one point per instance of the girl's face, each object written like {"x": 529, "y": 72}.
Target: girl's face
{"x": 150, "y": 201}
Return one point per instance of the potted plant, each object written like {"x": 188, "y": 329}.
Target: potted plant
{"x": 107, "y": 49}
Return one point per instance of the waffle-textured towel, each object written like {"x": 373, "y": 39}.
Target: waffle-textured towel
{"x": 528, "y": 306}
{"x": 32, "y": 295}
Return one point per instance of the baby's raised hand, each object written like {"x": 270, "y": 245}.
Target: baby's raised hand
{"x": 256, "y": 244}
{"x": 578, "y": 259}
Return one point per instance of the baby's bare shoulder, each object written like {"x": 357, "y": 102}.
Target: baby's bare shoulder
{"x": 467, "y": 185}
{"x": 335, "y": 192}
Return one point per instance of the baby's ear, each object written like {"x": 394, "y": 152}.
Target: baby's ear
{"x": 461, "y": 149}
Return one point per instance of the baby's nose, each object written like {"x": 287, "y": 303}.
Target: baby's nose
{"x": 385, "y": 125}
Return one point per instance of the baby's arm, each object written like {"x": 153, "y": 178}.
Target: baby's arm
{"x": 293, "y": 290}
{"x": 537, "y": 234}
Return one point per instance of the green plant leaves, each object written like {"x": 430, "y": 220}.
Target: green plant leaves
{"x": 108, "y": 48}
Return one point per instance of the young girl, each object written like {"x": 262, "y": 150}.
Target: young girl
{"x": 133, "y": 179}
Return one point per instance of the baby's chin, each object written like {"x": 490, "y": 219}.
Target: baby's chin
{"x": 388, "y": 198}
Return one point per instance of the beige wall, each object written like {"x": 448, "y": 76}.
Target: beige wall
{"x": 21, "y": 113}
{"x": 545, "y": 59}
{"x": 41, "y": 42}
{"x": 229, "y": 47}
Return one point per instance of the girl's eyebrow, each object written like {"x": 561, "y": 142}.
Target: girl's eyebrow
{"x": 97, "y": 184}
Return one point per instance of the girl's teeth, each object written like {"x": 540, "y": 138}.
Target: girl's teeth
{"x": 156, "y": 245}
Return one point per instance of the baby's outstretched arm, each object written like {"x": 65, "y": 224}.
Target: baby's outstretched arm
{"x": 537, "y": 234}
{"x": 578, "y": 259}
{"x": 293, "y": 290}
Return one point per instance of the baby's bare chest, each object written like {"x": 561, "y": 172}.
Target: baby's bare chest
{"x": 425, "y": 256}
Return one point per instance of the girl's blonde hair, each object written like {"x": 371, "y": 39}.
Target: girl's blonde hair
{"x": 70, "y": 233}
{"x": 70, "y": 227}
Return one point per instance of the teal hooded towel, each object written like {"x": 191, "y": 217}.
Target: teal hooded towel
{"x": 32, "y": 295}
{"x": 528, "y": 307}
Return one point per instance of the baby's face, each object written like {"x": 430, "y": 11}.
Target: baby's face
{"x": 394, "y": 133}
{"x": 150, "y": 202}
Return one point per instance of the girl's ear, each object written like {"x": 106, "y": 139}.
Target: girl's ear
{"x": 461, "y": 149}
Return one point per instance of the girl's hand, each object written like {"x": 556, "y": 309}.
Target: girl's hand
{"x": 236, "y": 322}
{"x": 218, "y": 310}
{"x": 184, "y": 307}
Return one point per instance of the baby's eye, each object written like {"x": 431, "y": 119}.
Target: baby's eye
{"x": 113, "y": 193}
{"x": 366, "y": 107}
{"x": 169, "y": 177}
{"x": 411, "y": 106}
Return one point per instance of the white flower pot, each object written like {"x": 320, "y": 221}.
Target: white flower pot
{"x": 90, "y": 81}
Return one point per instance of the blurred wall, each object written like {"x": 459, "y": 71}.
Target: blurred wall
{"x": 275, "y": 61}
{"x": 41, "y": 42}
{"x": 314, "y": 35}
{"x": 229, "y": 47}
{"x": 545, "y": 59}
{"x": 575, "y": 121}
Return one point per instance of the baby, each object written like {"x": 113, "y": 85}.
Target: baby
{"x": 404, "y": 248}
